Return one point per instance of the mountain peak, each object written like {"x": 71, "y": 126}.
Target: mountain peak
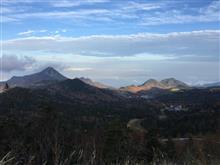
{"x": 150, "y": 81}
{"x": 170, "y": 79}
{"x": 52, "y": 73}
{"x": 172, "y": 82}
{"x": 168, "y": 83}
{"x": 49, "y": 70}
{"x": 45, "y": 76}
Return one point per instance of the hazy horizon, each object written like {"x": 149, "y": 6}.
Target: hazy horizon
{"x": 114, "y": 42}
{"x": 110, "y": 85}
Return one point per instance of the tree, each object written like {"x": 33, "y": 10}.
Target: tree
{"x": 6, "y": 86}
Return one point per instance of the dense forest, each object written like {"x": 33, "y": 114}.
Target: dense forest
{"x": 40, "y": 127}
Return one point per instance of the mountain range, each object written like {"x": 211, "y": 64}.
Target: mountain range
{"x": 50, "y": 76}
{"x": 49, "y": 87}
{"x": 212, "y": 84}
{"x": 169, "y": 83}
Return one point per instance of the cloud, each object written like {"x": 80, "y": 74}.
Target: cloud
{"x": 15, "y": 63}
{"x": 5, "y": 19}
{"x": 42, "y": 31}
{"x": 68, "y": 3}
{"x": 136, "y": 6}
{"x": 209, "y": 13}
{"x": 5, "y": 10}
{"x": 18, "y": 1}
{"x": 137, "y": 12}
{"x": 80, "y": 14}
{"x": 186, "y": 45}
{"x": 81, "y": 69}
{"x": 31, "y": 32}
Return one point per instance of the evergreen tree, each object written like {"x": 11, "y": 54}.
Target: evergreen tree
{"x": 6, "y": 86}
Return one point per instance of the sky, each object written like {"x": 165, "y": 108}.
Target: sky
{"x": 117, "y": 42}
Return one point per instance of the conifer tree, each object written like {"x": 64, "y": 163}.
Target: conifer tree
{"x": 6, "y": 86}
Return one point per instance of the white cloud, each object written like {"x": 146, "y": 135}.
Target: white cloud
{"x": 68, "y": 3}
{"x": 18, "y": 1}
{"x": 141, "y": 13}
{"x": 174, "y": 16}
{"x": 29, "y": 32}
{"x": 79, "y": 15}
{"x": 42, "y": 31}
{"x": 5, "y": 10}
{"x": 135, "y": 6}
{"x": 77, "y": 69}
{"x": 65, "y": 3}
{"x": 183, "y": 45}
{"x": 5, "y": 19}
{"x": 15, "y": 63}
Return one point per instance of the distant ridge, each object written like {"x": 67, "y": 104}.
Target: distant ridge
{"x": 169, "y": 83}
{"x": 94, "y": 83}
{"x": 216, "y": 84}
{"x": 173, "y": 83}
{"x": 50, "y": 75}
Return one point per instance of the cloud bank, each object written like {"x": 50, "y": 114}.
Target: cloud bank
{"x": 14, "y": 63}
{"x": 195, "y": 45}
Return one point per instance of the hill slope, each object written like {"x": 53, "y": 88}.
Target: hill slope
{"x": 94, "y": 83}
{"x": 66, "y": 94}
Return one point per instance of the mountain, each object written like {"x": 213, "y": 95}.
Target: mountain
{"x": 169, "y": 83}
{"x": 77, "y": 89}
{"x": 152, "y": 83}
{"x": 173, "y": 83}
{"x": 46, "y": 76}
{"x": 94, "y": 83}
{"x": 69, "y": 94}
{"x": 216, "y": 84}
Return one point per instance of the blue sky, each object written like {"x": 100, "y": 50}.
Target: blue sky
{"x": 119, "y": 42}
